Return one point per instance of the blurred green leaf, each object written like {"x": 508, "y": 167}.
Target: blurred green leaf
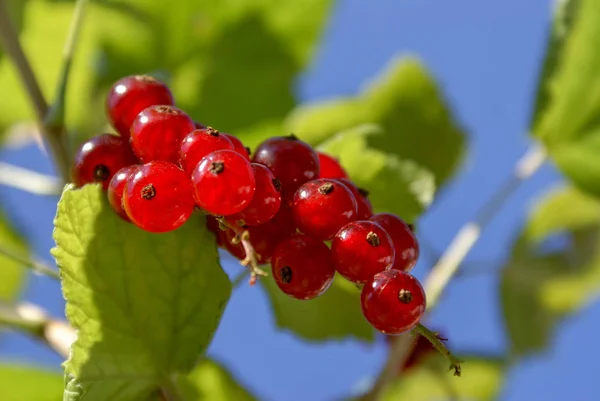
{"x": 407, "y": 103}
{"x": 145, "y": 305}
{"x": 210, "y": 381}
{"x": 395, "y": 185}
{"x": 27, "y": 383}
{"x": 46, "y": 27}
{"x": 231, "y": 64}
{"x": 539, "y": 288}
{"x": 335, "y": 315}
{"x": 12, "y": 274}
{"x": 481, "y": 381}
{"x": 567, "y": 113}
{"x": 563, "y": 208}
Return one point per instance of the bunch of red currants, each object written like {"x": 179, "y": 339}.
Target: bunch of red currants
{"x": 294, "y": 206}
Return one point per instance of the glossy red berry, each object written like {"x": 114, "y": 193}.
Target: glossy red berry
{"x": 198, "y": 144}
{"x": 360, "y": 250}
{"x": 302, "y": 267}
{"x": 158, "y": 197}
{"x": 293, "y": 162}
{"x": 116, "y": 187}
{"x": 405, "y": 242}
{"x": 330, "y": 167}
{"x": 238, "y": 146}
{"x": 321, "y": 207}
{"x": 224, "y": 183}
{"x": 130, "y": 95}
{"x": 157, "y": 132}
{"x": 393, "y": 301}
{"x": 365, "y": 208}
{"x": 266, "y": 200}
{"x": 99, "y": 158}
{"x": 282, "y": 224}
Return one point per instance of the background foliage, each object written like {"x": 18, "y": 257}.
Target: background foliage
{"x": 234, "y": 65}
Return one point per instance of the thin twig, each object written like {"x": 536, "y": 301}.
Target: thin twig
{"x": 448, "y": 264}
{"x": 29, "y": 181}
{"x": 467, "y": 236}
{"x": 10, "y": 42}
{"x": 55, "y": 117}
{"x": 32, "y": 320}
{"x": 251, "y": 260}
{"x": 37, "y": 266}
{"x": 55, "y": 135}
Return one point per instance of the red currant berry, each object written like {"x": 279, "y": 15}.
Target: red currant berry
{"x": 330, "y": 167}
{"x": 238, "y": 146}
{"x": 157, "y": 132}
{"x": 282, "y": 224}
{"x": 224, "y": 183}
{"x": 198, "y": 144}
{"x": 292, "y": 161}
{"x": 99, "y": 158}
{"x": 302, "y": 267}
{"x": 365, "y": 209}
{"x": 321, "y": 207}
{"x": 393, "y": 301}
{"x": 266, "y": 200}
{"x": 405, "y": 243}
{"x": 130, "y": 95}
{"x": 158, "y": 197}
{"x": 360, "y": 250}
{"x": 116, "y": 187}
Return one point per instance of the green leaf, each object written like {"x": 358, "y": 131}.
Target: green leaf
{"x": 539, "y": 288}
{"x": 395, "y": 185}
{"x": 145, "y": 305}
{"x": 210, "y": 381}
{"x": 231, "y": 64}
{"x": 566, "y": 116}
{"x": 12, "y": 274}
{"x": 45, "y": 31}
{"x": 27, "y": 383}
{"x": 528, "y": 322}
{"x": 406, "y": 102}
{"x": 564, "y": 208}
{"x": 335, "y": 315}
{"x": 481, "y": 381}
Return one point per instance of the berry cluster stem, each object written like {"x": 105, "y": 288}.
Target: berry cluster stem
{"x": 50, "y": 119}
{"x": 448, "y": 264}
{"x": 439, "y": 346}
{"x": 243, "y": 236}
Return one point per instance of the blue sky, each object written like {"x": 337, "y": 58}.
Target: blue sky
{"x": 486, "y": 56}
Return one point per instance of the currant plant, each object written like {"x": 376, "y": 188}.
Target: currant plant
{"x": 181, "y": 151}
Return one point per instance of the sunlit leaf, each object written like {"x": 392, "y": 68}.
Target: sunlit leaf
{"x": 145, "y": 305}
